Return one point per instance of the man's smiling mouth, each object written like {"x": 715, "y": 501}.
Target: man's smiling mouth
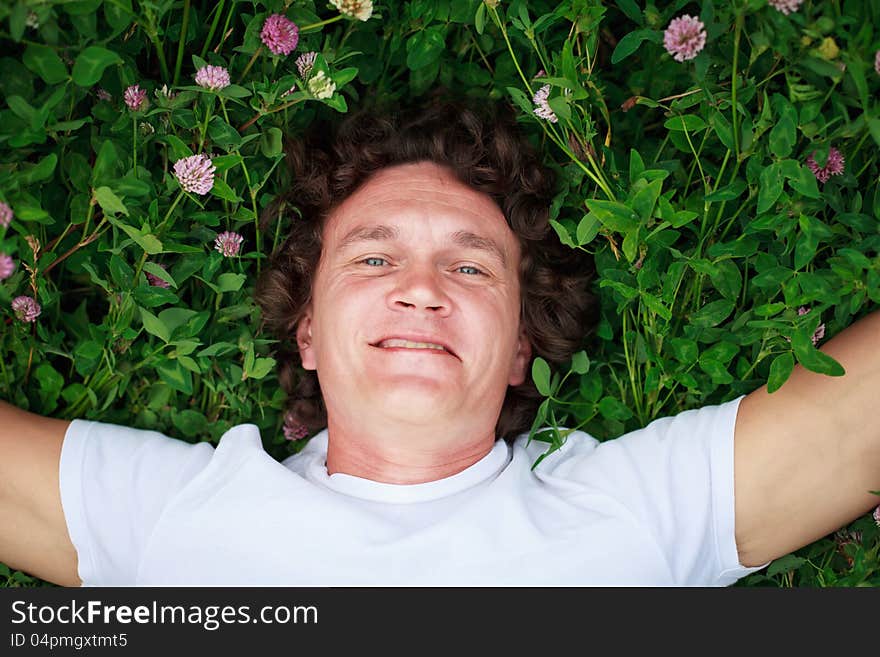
{"x": 409, "y": 344}
{"x": 405, "y": 345}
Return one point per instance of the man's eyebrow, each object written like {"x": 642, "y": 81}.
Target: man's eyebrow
{"x": 378, "y": 232}
{"x": 464, "y": 238}
{"x": 471, "y": 240}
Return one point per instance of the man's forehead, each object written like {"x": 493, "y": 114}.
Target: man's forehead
{"x": 416, "y": 181}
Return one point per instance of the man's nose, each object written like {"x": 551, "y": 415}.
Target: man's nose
{"x": 421, "y": 286}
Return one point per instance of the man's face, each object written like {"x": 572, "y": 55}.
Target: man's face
{"x": 411, "y": 255}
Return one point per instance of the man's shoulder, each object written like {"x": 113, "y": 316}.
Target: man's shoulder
{"x": 558, "y": 443}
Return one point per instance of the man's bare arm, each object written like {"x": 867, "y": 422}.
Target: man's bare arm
{"x": 34, "y": 534}
{"x": 807, "y": 455}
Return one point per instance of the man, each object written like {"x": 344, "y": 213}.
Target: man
{"x": 420, "y": 323}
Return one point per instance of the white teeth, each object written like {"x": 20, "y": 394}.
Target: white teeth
{"x": 410, "y": 345}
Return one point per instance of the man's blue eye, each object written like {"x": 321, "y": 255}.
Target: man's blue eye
{"x": 373, "y": 258}
{"x": 479, "y": 273}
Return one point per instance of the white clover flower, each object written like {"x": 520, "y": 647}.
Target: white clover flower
{"x": 321, "y": 86}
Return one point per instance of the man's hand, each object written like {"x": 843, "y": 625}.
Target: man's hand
{"x": 807, "y": 455}
{"x": 34, "y": 534}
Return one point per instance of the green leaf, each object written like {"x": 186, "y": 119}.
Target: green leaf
{"x": 723, "y": 129}
{"x": 562, "y": 232}
{"x": 683, "y": 217}
{"x": 177, "y": 378}
{"x": 768, "y": 309}
{"x": 712, "y": 313}
{"x": 224, "y": 162}
{"x": 39, "y": 172}
{"x": 425, "y": 47}
{"x": 21, "y": 108}
{"x": 785, "y": 564}
{"x": 636, "y": 165}
{"x": 176, "y": 317}
{"x": 189, "y": 364}
{"x": 716, "y": 370}
{"x": 106, "y": 164}
{"x": 772, "y": 278}
{"x": 723, "y": 351}
{"x": 217, "y": 349}
{"x": 541, "y": 376}
{"x": 118, "y": 14}
{"x": 153, "y": 296}
{"x": 222, "y": 190}
{"x": 804, "y": 249}
{"x": 782, "y": 137}
{"x": 874, "y": 129}
{"x": 222, "y": 133}
{"x": 727, "y": 279}
{"x": 813, "y": 359}
{"x": 28, "y": 213}
{"x": 613, "y": 215}
{"x": 580, "y": 362}
{"x": 87, "y": 357}
{"x": 780, "y": 369}
{"x": 191, "y": 423}
{"x": 684, "y": 350}
{"x": 587, "y": 229}
{"x": 630, "y": 43}
{"x": 344, "y": 76}
{"x": 154, "y": 325}
{"x": 805, "y": 183}
{"x": 270, "y": 143}
{"x": 614, "y": 409}
{"x": 519, "y": 97}
{"x": 480, "y": 18}
{"x": 631, "y": 9}
{"x": 144, "y": 239}
{"x": 91, "y": 63}
{"x": 109, "y": 202}
{"x": 179, "y": 149}
{"x": 771, "y": 180}
{"x": 261, "y": 367}
{"x": 655, "y": 305}
{"x": 158, "y": 272}
{"x": 644, "y": 200}
{"x": 234, "y": 91}
{"x": 121, "y": 272}
{"x": 45, "y": 62}
{"x": 229, "y": 282}
{"x": 688, "y": 122}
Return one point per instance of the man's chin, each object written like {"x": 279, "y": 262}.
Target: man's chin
{"x": 417, "y": 404}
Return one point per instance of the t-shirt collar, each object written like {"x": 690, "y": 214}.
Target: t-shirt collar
{"x": 483, "y": 470}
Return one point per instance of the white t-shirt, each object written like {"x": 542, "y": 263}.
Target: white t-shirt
{"x": 654, "y": 507}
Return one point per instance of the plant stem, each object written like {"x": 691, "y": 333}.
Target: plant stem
{"x": 154, "y": 38}
{"x": 740, "y": 17}
{"x": 181, "y": 42}
{"x": 217, "y": 11}
{"x": 158, "y": 230}
{"x": 208, "y": 111}
{"x": 134, "y": 151}
{"x": 225, "y": 28}
{"x": 315, "y": 26}
{"x": 250, "y": 64}
{"x": 253, "y": 196}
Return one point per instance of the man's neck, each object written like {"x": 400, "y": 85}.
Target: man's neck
{"x": 406, "y": 456}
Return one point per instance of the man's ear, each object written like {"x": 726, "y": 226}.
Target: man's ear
{"x": 521, "y": 360}
{"x": 304, "y": 340}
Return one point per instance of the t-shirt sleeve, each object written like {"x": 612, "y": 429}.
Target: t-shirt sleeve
{"x": 676, "y": 476}
{"x": 115, "y": 482}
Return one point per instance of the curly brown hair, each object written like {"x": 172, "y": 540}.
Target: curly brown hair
{"x": 484, "y": 149}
